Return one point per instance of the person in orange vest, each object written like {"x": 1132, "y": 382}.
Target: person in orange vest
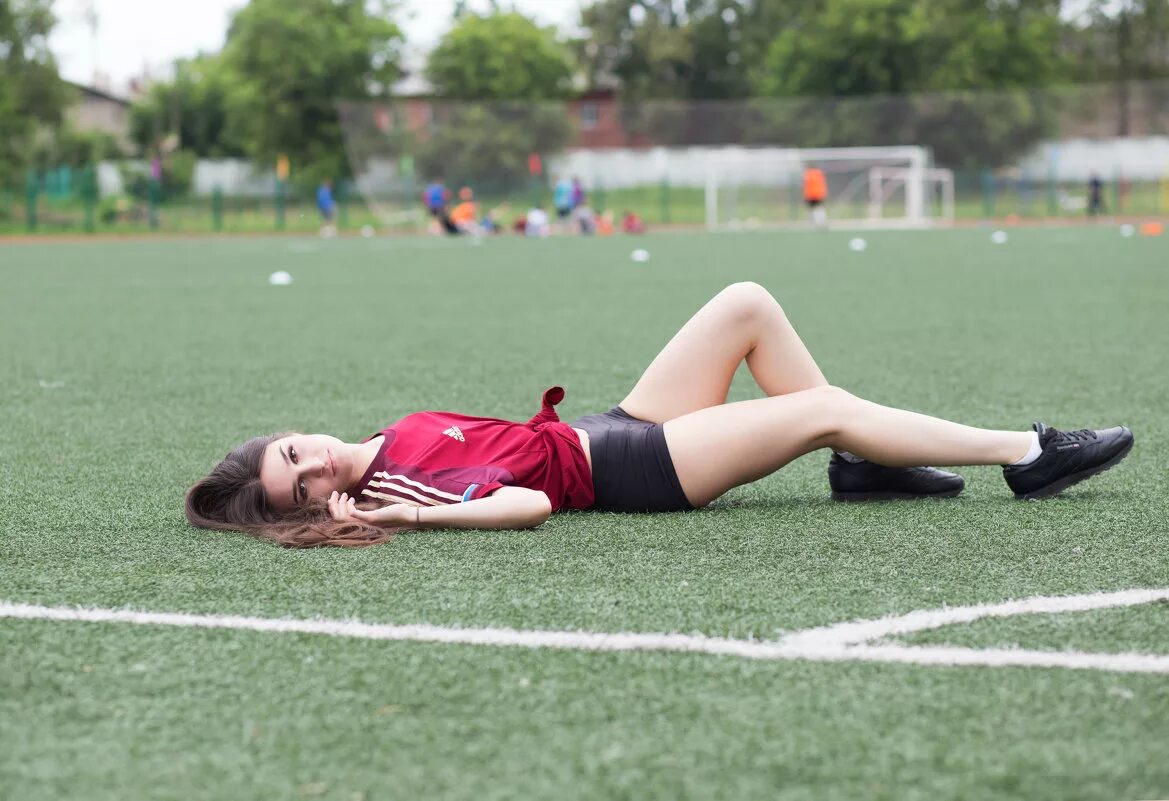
{"x": 465, "y": 215}
{"x": 815, "y": 193}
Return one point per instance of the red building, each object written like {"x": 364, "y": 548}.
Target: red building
{"x": 597, "y": 115}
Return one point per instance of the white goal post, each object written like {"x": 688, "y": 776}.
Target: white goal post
{"x": 872, "y": 187}
{"x": 885, "y": 182}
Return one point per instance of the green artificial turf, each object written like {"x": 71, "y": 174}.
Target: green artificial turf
{"x": 129, "y": 368}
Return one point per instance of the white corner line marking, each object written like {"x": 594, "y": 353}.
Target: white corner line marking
{"x": 862, "y": 631}
{"x": 844, "y": 642}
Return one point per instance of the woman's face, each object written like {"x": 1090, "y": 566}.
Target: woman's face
{"x": 305, "y": 467}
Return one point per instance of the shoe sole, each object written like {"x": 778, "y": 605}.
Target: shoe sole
{"x": 1056, "y": 487}
{"x": 857, "y": 497}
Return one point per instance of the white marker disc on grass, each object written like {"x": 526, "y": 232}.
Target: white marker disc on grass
{"x": 280, "y": 278}
{"x": 640, "y": 255}
{"x": 857, "y": 244}
{"x": 999, "y": 237}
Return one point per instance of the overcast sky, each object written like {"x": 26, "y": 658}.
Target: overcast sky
{"x": 135, "y": 35}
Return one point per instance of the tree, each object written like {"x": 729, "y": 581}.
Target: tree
{"x": 639, "y": 45}
{"x": 292, "y": 61}
{"x": 70, "y": 147}
{"x": 517, "y": 71}
{"x": 697, "y": 50}
{"x": 719, "y": 51}
{"x": 866, "y": 47}
{"x": 193, "y": 106}
{"x": 503, "y": 56}
{"x": 1121, "y": 42}
{"x": 32, "y": 95}
{"x": 907, "y": 57}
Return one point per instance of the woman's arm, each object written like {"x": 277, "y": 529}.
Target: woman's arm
{"x": 506, "y": 508}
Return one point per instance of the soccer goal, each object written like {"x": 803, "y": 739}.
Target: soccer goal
{"x": 874, "y": 187}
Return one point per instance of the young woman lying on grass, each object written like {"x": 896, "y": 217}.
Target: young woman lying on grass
{"x": 673, "y": 444}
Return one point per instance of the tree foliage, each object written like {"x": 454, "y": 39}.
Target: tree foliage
{"x": 291, "y": 61}
{"x": 502, "y": 56}
{"x": 193, "y": 106}
{"x": 516, "y": 71}
{"x": 957, "y": 76}
{"x": 918, "y": 61}
{"x": 867, "y": 47}
{"x": 638, "y": 45}
{"x": 1122, "y": 42}
{"x": 32, "y": 95}
{"x": 697, "y": 49}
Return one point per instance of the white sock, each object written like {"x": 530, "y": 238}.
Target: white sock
{"x": 849, "y": 457}
{"x": 1033, "y": 452}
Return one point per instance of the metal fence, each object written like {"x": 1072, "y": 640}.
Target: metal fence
{"x": 1024, "y": 153}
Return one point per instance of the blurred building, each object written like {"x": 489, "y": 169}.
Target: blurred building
{"x": 99, "y": 110}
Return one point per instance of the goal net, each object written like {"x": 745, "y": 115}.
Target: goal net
{"x": 876, "y": 187}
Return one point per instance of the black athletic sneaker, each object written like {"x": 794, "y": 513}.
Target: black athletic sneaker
{"x": 865, "y": 481}
{"x": 1068, "y": 458}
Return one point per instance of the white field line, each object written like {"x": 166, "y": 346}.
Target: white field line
{"x": 841, "y": 643}
{"x": 868, "y": 630}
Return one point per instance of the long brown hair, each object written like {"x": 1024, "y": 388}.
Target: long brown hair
{"x": 231, "y": 498}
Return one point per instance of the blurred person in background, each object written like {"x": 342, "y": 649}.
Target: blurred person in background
{"x": 562, "y": 200}
{"x": 435, "y": 197}
{"x": 536, "y": 223}
{"x": 327, "y": 207}
{"x": 1095, "y": 196}
{"x": 632, "y": 223}
{"x": 464, "y": 217}
{"x": 586, "y": 220}
{"x": 815, "y": 193}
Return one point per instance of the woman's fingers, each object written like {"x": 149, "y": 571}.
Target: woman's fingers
{"x": 358, "y": 514}
{"x": 340, "y": 505}
{"x": 342, "y": 508}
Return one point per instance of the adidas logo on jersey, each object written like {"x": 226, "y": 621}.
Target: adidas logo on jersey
{"x": 454, "y": 433}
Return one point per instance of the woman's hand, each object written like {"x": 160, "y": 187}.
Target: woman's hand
{"x": 396, "y": 515}
{"x": 505, "y": 508}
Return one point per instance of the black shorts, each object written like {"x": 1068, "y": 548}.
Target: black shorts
{"x": 814, "y": 203}
{"x": 563, "y": 213}
{"x": 632, "y": 468}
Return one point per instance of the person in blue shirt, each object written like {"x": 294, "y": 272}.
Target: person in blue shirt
{"x": 562, "y": 199}
{"x": 327, "y": 207}
{"x": 435, "y": 197}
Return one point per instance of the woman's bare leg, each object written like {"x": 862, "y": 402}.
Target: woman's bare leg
{"x": 695, "y": 369}
{"x": 721, "y": 447}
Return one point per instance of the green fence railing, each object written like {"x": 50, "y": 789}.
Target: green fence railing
{"x": 69, "y": 201}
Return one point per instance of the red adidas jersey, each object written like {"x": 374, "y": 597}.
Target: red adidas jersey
{"x": 437, "y": 457}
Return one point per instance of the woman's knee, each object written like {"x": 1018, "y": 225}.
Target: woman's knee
{"x": 840, "y": 399}
{"x": 834, "y": 407}
{"x": 748, "y": 301}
